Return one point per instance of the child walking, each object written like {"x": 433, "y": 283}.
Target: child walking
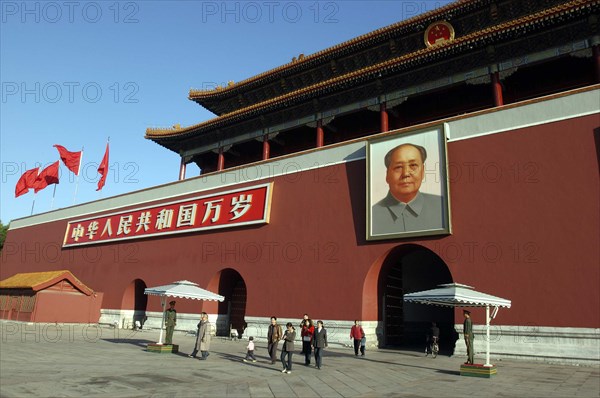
{"x": 250, "y": 350}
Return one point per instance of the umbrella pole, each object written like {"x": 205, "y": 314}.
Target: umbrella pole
{"x": 487, "y": 336}
{"x": 163, "y": 302}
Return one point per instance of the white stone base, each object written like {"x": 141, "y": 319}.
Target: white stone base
{"x": 576, "y": 346}
{"x": 546, "y": 344}
{"x": 124, "y": 319}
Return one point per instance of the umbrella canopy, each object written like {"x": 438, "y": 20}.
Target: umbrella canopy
{"x": 180, "y": 289}
{"x": 456, "y": 295}
{"x": 459, "y": 295}
{"x": 184, "y": 289}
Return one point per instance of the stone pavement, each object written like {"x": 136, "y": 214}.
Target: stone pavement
{"x": 78, "y": 360}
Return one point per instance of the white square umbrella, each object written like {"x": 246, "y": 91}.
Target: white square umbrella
{"x": 180, "y": 289}
{"x": 459, "y": 295}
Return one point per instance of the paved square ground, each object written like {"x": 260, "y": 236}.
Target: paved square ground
{"x": 76, "y": 361}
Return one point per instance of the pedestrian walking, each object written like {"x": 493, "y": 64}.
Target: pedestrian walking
{"x": 202, "y": 338}
{"x": 319, "y": 342}
{"x": 306, "y": 333}
{"x": 302, "y": 324}
{"x": 250, "y": 350}
{"x": 274, "y": 334}
{"x": 363, "y": 345}
{"x": 356, "y": 334}
{"x": 288, "y": 348}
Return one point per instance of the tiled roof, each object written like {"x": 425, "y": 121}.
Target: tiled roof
{"x": 331, "y": 51}
{"x": 406, "y": 60}
{"x": 40, "y": 280}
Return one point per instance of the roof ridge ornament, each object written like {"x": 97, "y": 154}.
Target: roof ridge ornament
{"x": 299, "y": 58}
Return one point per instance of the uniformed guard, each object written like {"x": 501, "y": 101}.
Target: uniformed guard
{"x": 468, "y": 333}
{"x": 170, "y": 322}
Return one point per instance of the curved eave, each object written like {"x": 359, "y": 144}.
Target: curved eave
{"x": 326, "y": 54}
{"x": 481, "y": 38}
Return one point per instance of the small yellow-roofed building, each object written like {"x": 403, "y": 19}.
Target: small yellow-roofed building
{"x": 53, "y": 296}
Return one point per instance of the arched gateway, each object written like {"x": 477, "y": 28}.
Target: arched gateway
{"x": 133, "y": 304}
{"x": 406, "y": 269}
{"x": 231, "y": 312}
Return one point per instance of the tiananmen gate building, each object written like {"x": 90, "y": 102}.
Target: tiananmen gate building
{"x": 494, "y": 106}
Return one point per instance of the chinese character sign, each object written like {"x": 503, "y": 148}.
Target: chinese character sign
{"x": 225, "y": 210}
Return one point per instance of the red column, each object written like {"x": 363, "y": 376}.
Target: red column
{"x": 266, "y": 148}
{"x": 497, "y": 89}
{"x": 221, "y": 161}
{"x": 182, "y": 170}
{"x": 596, "y": 55}
{"x": 320, "y": 134}
{"x": 383, "y": 117}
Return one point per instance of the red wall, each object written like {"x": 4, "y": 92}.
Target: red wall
{"x": 525, "y": 221}
{"x": 53, "y": 306}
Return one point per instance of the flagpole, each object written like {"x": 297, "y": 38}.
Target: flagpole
{"x": 78, "y": 172}
{"x": 107, "y": 143}
{"x": 52, "y": 201}
{"x": 34, "y": 193}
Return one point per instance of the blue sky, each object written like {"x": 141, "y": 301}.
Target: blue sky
{"x": 74, "y": 73}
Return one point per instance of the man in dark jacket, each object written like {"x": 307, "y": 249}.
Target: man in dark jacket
{"x": 273, "y": 336}
{"x": 319, "y": 342}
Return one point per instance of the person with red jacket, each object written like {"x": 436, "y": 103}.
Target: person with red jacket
{"x": 304, "y": 319}
{"x": 308, "y": 329}
{"x": 357, "y": 333}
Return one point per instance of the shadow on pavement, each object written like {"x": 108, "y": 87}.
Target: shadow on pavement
{"x": 449, "y": 372}
{"x": 137, "y": 342}
{"x": 410, "y": 366}
{"x": 262, "y": 362}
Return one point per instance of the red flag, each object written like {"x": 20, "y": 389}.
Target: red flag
{"x": 103, "y": 169}
{"x": 47, "y": 177}
{"x": 70, "y": 159}
{"x": 26, "y": 181}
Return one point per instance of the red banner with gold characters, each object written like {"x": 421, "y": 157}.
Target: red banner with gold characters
{"x": 224, "y": 210}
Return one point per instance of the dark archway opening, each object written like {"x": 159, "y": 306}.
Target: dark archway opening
{"x": 135, "y": 299}
{"x": 407, "y": 269}
{"x": 141, "y": 301}
{"x": 233, "y": 288}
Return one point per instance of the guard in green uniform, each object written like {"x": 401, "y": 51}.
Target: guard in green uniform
{"x": 468, "y": 333}
{"x": 170, "y": 322}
